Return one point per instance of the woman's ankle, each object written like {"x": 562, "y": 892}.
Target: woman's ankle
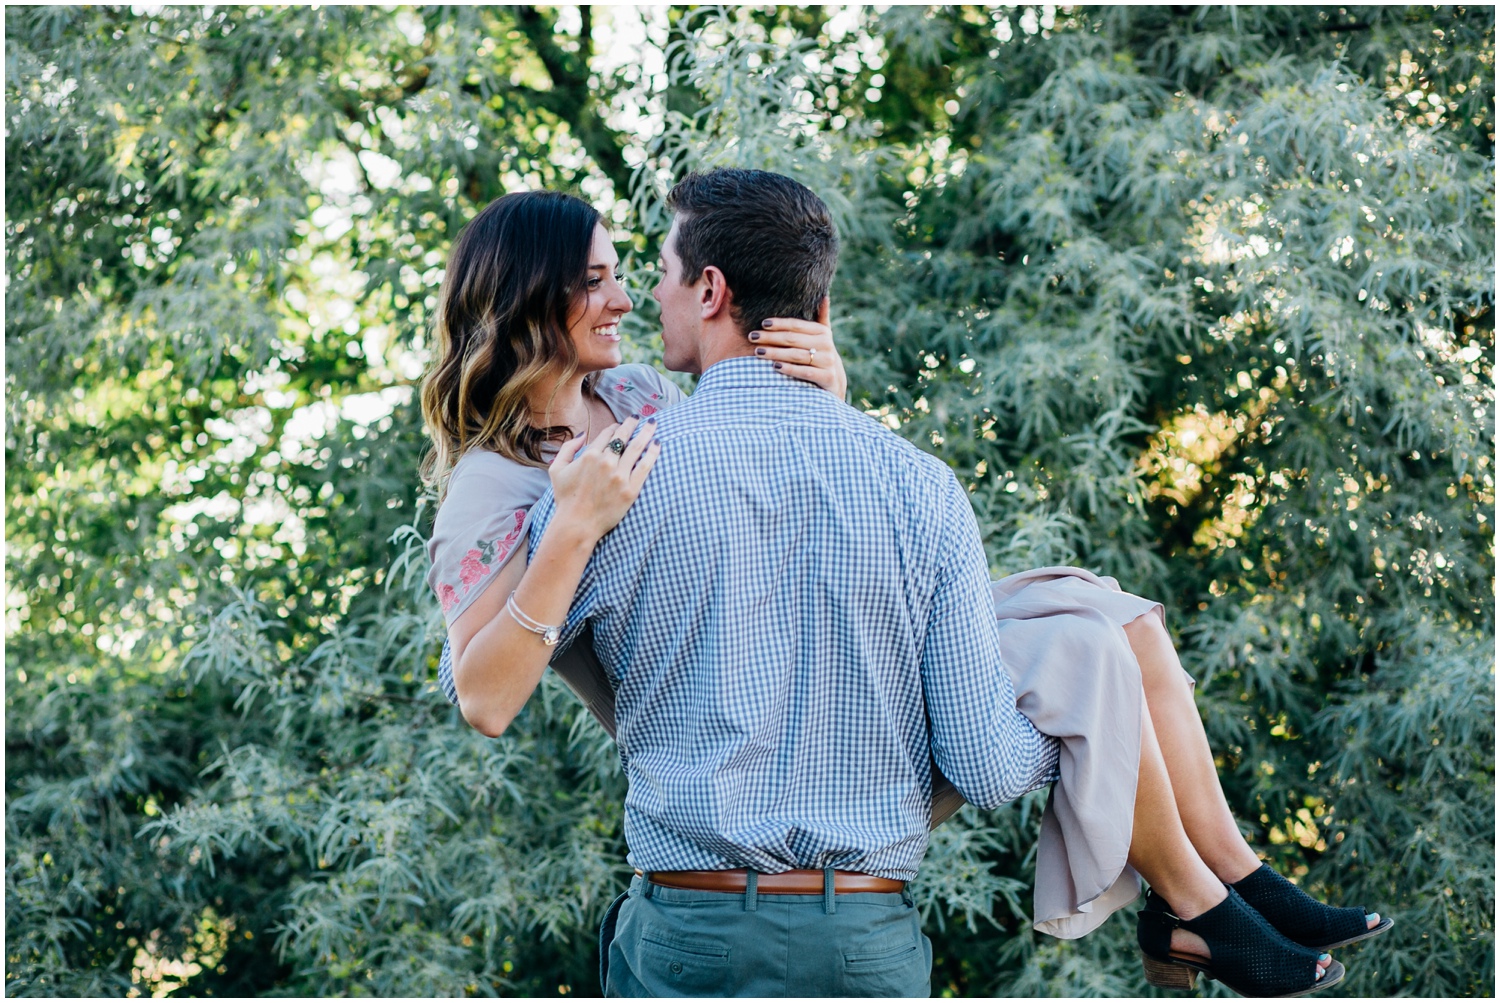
{"x": 1202, "y": 902}
{"x": 1239, "y": 868}
{"x": 1194, "y": 898}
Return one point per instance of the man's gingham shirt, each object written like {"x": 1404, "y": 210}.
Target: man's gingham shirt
{"x": 797, "y": 617}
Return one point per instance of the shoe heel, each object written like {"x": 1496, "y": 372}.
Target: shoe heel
{"x": 1167, "y": 975}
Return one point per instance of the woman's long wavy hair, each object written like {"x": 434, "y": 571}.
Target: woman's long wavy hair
{"x": 502, "y": 327}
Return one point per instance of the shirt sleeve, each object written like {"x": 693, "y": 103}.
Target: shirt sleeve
{"x": 982, "y": 743}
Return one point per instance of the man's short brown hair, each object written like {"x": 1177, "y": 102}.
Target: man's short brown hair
{"x": 773, "y": 239}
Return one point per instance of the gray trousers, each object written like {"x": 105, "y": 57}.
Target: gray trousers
{"x": 659, "y": 941}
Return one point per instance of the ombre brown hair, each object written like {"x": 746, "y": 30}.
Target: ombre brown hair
{"x": 502, "y": 327}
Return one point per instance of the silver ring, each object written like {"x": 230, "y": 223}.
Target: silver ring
{"x": 616, "y": 446}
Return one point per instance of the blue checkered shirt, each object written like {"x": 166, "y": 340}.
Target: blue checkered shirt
{"x": 797, "y": 618}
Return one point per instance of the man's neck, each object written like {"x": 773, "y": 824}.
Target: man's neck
{"x": 723, "y": 343}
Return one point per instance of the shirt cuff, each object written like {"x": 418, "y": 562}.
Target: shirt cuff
{"x": 445, "y": 673}
{"x": 1046, "y": 771}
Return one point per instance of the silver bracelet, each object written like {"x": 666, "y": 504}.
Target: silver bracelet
{"x": 549, "y": 634}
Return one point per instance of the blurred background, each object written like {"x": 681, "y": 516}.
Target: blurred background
{"x": 1198, "y": 297}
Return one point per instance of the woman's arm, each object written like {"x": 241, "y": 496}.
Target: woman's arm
{"x": 497, "y": 663}
{"x": 804, "y": 349}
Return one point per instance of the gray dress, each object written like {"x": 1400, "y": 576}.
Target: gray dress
{"x": 1061, "y": 634}
{"x": 1063, "y": 640}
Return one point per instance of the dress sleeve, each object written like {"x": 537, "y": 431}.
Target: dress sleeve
{"x": 638, "y": 389}
{"x": 480, "y": 527}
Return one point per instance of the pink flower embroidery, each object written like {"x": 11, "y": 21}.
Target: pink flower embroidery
{"x": 625, "y": 386}
{"x": 648, "y": 409}
{"x": 505, "y": 546}
{"x": 471, "y": 568}
{"x": 484, "y": 557}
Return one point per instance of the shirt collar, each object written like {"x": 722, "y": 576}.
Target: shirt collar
{"x": 745, "y": 371}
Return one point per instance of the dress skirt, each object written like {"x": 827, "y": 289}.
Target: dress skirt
{"x": 1063, "y": 642}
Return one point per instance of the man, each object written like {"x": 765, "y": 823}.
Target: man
{"x": 797, "y": 620}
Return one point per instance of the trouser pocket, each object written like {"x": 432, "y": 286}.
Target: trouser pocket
{"x": 685, "y": 968}
{"x": 874, "y": 963}
{"x": 663, "y": 950}
{"x": 884, "y": 953}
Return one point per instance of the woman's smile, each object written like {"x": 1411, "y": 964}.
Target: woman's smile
{"x": 594, "y": 322}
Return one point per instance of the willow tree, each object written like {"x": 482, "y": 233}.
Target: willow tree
{"x": 1201, "y": 300}
{"x": 1206, "y": 302}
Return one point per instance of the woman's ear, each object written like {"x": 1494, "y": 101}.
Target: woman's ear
{"x": 715, "y": 296}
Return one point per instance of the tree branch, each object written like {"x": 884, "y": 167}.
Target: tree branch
{"x": 571, "y": 98}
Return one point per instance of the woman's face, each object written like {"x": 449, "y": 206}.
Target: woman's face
{"x": 594, "y": 320}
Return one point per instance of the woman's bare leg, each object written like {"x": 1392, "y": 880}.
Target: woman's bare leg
{"x": 1159, "y": 846}
{"x": 1161, "y": 851}
{"x": 1205, "y": 814}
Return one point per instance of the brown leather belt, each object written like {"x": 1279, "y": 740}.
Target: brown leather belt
{"x": 785, "y": 883}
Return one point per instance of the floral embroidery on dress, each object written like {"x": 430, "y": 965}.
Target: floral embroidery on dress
{"x": 472, "y": 568}
{"x": 481, "y": 559}
{"x": 625, "y": 386}
{"x": 648, "y": 409}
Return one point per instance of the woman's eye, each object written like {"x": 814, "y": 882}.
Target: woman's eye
{"x": 594, "y": 283}
{"x": 619, "y": 277}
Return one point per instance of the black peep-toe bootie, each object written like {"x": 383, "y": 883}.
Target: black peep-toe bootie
{"x": 1302, "y": 917}
{"x": 1248, "y": 955}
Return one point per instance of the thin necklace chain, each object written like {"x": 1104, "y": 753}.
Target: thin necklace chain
{"x": 588, "y": 416}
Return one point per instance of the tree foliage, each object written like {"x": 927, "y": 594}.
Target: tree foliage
{"x": 1202, "y": 299}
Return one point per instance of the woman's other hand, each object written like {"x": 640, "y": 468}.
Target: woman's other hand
{"x": 594, "y": 485}
{"x": 804, "y": 349}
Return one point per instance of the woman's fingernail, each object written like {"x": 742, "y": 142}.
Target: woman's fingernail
{"x": 760, "y": 351}
{"x": 651, "y": 420}
{"x": 776, "y": 364}
{"x": 754, "y": 335}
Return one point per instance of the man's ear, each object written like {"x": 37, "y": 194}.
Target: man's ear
{"x": 714, "y": 298}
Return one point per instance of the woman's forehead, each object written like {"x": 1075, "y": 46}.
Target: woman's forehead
{"x": 602, "y": 254}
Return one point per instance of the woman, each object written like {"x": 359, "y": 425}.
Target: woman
{"x": 527, "y": 389}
